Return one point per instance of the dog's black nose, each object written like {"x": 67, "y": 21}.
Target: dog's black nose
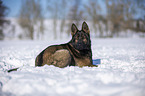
{"x": 80, "y": 41}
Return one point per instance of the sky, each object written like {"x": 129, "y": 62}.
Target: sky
{"x": 14, "y": 6}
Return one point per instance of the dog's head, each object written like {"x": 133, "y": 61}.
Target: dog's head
{"x": 81, "y": 38}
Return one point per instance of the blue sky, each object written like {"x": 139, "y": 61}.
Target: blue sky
{"x": 14, "y": 6}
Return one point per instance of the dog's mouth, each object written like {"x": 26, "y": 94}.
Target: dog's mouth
{"x": 81, "y": 46}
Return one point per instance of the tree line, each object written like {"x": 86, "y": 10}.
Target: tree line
{"x": 108, "y": 18}
{"x": 3, "y": 12}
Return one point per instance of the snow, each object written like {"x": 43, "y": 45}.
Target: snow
{"x": 121, "y": 72}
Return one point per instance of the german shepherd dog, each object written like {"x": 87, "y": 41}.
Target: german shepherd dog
{"x": 77, "y": 52}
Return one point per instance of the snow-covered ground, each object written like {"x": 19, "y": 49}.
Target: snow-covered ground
{"x": 121, "y": 72}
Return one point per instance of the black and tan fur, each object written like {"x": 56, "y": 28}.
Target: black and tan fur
{"x": 77, "y": 52}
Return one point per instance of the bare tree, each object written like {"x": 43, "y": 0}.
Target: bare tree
{"x": 137, "y": 7}
{"x": 75, "y": 14}
{"x": 52, "y": 8}
{"x": 121, "y": 14}
{"x": 115, "y": 15}
{"x": 3, "y": 10}
{"x": 93, "y": 8}
{"x": 30, "y": 16}
{"x": 63, "y": 11}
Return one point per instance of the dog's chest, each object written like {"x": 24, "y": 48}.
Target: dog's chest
{"x": 82, "y": 62}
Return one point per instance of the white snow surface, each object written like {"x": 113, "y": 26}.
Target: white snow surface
{"x": 121, "y": 72}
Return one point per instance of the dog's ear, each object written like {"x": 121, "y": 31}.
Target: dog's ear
{"x": 74, "y": 29}
{"x": 85, "y": 27}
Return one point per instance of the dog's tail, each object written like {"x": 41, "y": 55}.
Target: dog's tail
{"x": 15, "y": 69}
